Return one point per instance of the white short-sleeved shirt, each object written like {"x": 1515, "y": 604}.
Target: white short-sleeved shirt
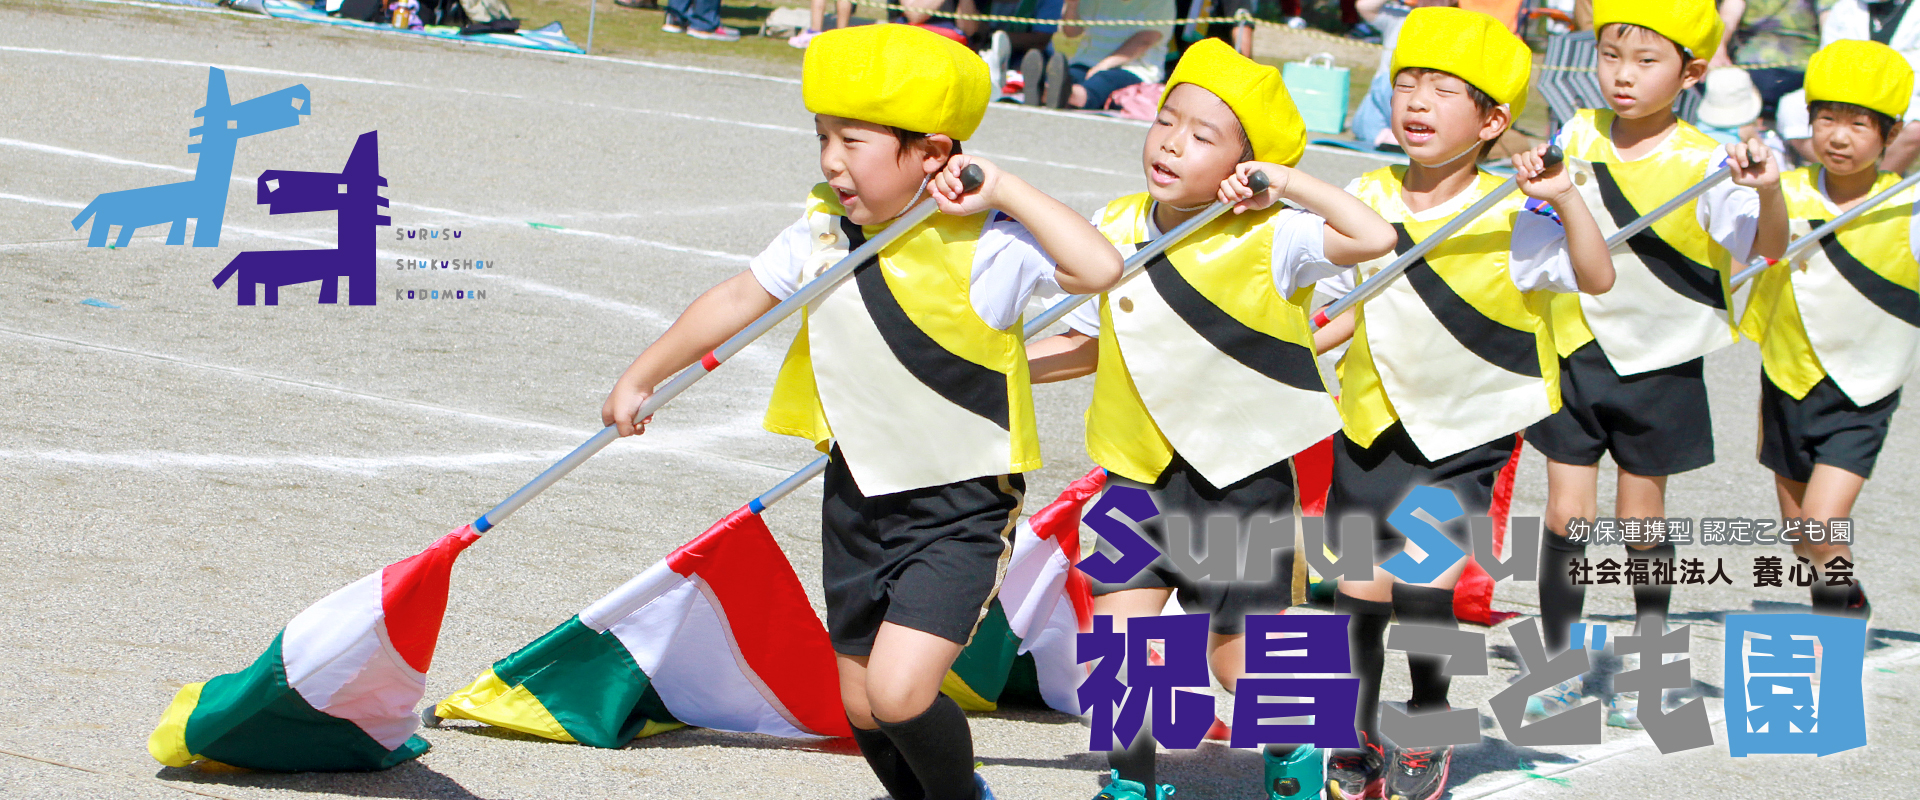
{"x": 1009, "y": 267}
{"x": 1539, "y": 257}
{"x": 1299, "y": 258}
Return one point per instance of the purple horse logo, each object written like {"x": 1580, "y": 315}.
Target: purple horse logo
{"x": 353, "y": 192}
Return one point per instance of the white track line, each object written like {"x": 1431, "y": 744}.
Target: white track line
{"x": 351, "y": 465}
{"x": 1612, "y": 750}
{"x": 788, "y": 129}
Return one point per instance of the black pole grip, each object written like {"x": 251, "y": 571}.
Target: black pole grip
{"x": 1258, "y": 182}
{"x": 971, "y": 178}
{"x": 1553, "y": 156}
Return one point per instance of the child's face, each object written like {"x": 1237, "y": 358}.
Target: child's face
{"x": 1846, "y": 142}
{"x": 1193, "y": 145}
{"x": 1436, "y": 120}
{"x": 872, "y": 176}
{"x": 1642, "y": 72}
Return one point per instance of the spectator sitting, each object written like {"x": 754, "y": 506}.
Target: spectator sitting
{"x": 1105, "y": 58}
{"x": 842, "y": 17}
{"x": 1769, "y": 32}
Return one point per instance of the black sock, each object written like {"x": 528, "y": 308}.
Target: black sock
{"x": 1281, "y": 751}
{"x": 1136, "y": 763}
{"x": 887, "y": 764}
{"x": 1652, "y": 600}
{"x": 1433, "y": 608}
{"x": 1367, "y": 636}
{"x": 938, "y": 745}
{"x": 1830, "y": 600}
{"x": 1561, "y": 600}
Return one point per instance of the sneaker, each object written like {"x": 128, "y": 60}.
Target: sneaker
{"x": 996, "y": 57}
{"x": 1058, "y": 84}
{"x": 1117, "y": 789}
{"x": 980, "y": 783}
{"x": 1419, "y": 773}
{"x": 1296, "y": 23}
{"x": 1033, "y": 68}
{"x": 1296, "y": 777}
{"x": 1564, "y": 695}
{"x": 672, "y": 27}
{"x": 801, "y": 39}
{"x": 720, "y": 34}
{"x": 1364, "y": 32}
{"x": 1357, "y": 774}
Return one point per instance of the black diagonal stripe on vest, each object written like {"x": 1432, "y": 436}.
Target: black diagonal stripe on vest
{"x": 1901, "y": 302}
{"x": 1513, "y": 350}
{"x": 1685, "y": 276}
{"x": 963, "y": 383}
{"x": 1274, "y": 357}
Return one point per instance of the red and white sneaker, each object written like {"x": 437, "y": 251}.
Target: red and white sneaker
{"x": 1357, "y": 774}
{"x": 1419, "y": 773}
{"x": 720, "y": 34}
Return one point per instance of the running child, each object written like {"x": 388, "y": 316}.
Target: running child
{"x": 1839, "y": 332}
{"x": 1206, "y": 383}
{"x": 912, "y": 375}
{"x": 1631, "y": 372}
{"x": 1451, "y": 361}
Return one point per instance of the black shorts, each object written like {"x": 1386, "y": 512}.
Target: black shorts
{"x": 1655, "y": 423}
{"x": 1825, "y": 427}
{"x": 1183, "y": 490}
{"x": 1372, "y": 481}
{"x": 928, "y": 559}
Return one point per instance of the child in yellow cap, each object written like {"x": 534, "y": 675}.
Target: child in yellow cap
{"x": 1206, "y": 381}
{"x": 1450, "y": 362}
{"x": 1632, "y": 379}
{"x": 1840, "y": 331}
{"x": 912, "y": 375}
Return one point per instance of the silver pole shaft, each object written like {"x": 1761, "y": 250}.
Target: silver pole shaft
{"x": 1800, "y": 246}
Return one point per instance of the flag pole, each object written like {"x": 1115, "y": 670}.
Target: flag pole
{"x": 1800, "y": 246}
{"x": 970, "y": 180}
{"x": 1378, "y": 283}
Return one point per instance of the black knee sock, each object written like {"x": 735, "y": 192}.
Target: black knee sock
{"x": 1561, "y": 600}
{"x": 1433, "y": 608}
{"x": 939, "y": 747}
{"x": 1136, "y": 763}
{"x": 1652, "y": 600}
{"x": 887, "y": 763}
{"x": 1829, "y": 600}
{"x": 1367, "y": 636}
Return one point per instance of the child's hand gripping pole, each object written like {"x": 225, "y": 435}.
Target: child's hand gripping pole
{"x": 970, "y": 179}
{"x": 1800, "y": 246}
{"x": 1257, "y": 181}
{"x": 1378, "y": 283}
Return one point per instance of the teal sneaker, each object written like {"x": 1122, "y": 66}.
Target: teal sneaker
{"x": 1562, "y": 696}
{"x": 1296, "y": 777}
{"x": 1117, "y": 789}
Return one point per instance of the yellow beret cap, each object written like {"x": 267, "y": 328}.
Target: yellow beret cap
{"x": 896, "y": 75}
{"x": 1863, "y": 73}
{"x": 1692, "y": 24}
{"x": 1472, "y": 46}
{"x": 1255, "y": 93}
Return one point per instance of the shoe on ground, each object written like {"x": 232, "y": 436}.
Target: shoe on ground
{"x": 1364, "y": 32}
{"x": 1117, "y": 789}
{"x": 1419, "y": 773}
{"x": 672, "y": 27}
{"x": 1562, "y": 696}
{"x": 1033, "y": 69}
{"x": 1296, "y": 777}
{"x": 802, "y": 38}
{"x": 1058, "y": 84}
{"x": 996, "y": 57}
{"x": 1296, "y": 23}
{"x": 720, "y": 34}
{"x": 1357, "y": 774}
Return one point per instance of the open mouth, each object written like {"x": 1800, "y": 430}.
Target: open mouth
{"x": 1417, "y": 132}
{"x": 844, "y": 195}
{"x": 1161, "y": 175}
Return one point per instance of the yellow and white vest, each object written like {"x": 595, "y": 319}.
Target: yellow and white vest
{"x": 1451, "y": 349}
{"x": 896, "y": 366}
{"x": 1670, "y": 301}
{"x": 1853, "y": 313}
{"x": 1201, "y": 355}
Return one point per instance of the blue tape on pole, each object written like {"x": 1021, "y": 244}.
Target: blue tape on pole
{"x": 754, "y": 506}
{"x": 481, "y": 525}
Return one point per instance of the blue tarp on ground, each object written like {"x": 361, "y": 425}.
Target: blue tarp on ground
{"x": 550, "y": 37}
